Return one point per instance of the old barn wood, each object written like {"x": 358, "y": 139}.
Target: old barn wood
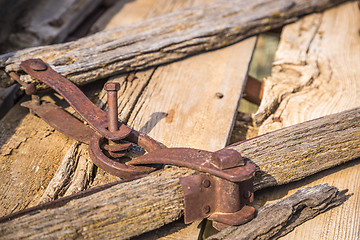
{"x": 163, "y": 39}
{"x": 296, "y": 152}
{"x": 149, "y": 104}
{"x": 279, "y": 218}
{"x": 152, "y": 101}
{"x": 315, "y": 73}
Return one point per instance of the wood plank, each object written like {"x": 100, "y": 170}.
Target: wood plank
{"x": 316, "y": 73}
{"x": 131, "y": 91}
{"x": 169, "y": 84}
{"x": 27, "y": 162}
{"x": 31, "y": 154}
{"x": 114, "y": 211}
{"x": 163, "y": 39}
{"x": 23, "y": 153}
{"x": 277, "y": 219}
{"x": 46, "y": 22}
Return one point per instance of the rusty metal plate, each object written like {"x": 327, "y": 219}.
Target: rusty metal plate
{"x": 61, "y": 120}
{"x": 198, "y": 197}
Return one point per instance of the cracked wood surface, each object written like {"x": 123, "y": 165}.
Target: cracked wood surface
{"x": 177, "y": 85}
{"x": 163, "y": 39}
{"x": 277, "y": 219}
{"x": 315, "y": 70}
{"x": 31, "y": 154}
{"x": 128, "y": 209}
{"x": 315, "y": 73}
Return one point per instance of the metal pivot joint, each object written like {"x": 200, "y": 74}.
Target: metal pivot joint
{"x": 108, "y": 138}
{"x": 221, "y": 192}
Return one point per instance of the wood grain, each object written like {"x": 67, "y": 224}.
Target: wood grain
{"x": 163, "y": 39}
{"x": 27, "y": 163}
{"x": 128, "y": 209}
{"x": 160, "y": 99}
{"x": 230, "y": 65}
{"x": 316, "y": 73}
{"x": 277, "y": 219}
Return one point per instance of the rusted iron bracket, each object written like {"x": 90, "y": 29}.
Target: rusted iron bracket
{"x": 105, "y": 137}
{"x": 221, "y": 194}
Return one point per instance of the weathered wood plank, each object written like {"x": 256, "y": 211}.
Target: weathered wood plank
{"x": 26, "y": 161}
{"x": 160, "y": 99}
{"x": 19, "y": 186}
{"x": 163, "y": 39}
{"x": 131, "y": 90}
{"x": 315, "y": 146}
{"x": 41, "y": 22}
{"x": 316, "y": 73}
{"x": 127, "y": 209}
{"x": 338, "y": 223}
{"x": 277, "y": 219}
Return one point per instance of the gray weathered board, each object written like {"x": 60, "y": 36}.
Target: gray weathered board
{"x": 315, "y": 73}
{"x": 227, "y": 74}
{"x": 277, "y": 219}
{"x": 127, "y": 209}
{"x": 162, "y": 39}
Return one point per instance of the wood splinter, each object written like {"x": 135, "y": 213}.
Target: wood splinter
{"x": 279, "y": 218}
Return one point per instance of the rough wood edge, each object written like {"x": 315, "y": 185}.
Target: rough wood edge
{"x": 157, "y": 199}
{"x": 298, "y": 151}
{"x": 277, "y": 219}
{"x": 162, "y": 39}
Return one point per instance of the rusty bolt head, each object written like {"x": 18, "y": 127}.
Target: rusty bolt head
{"x": 112, "y": 86}
{"x": 227, "y": 158}
{"x": 247, "y": 194}
{"x": 206, "y": 183}
{"x": 30, "y": 89}
{"x": 206, "y": 209}
{"x": 38, "y": 65}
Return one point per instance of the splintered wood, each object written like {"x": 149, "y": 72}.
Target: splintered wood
{"x": 165, "y": 102}
{"x": 162, "y": 39}
{"x": 316, "y": 69}
{"x": 316, "y": 72}
{"x": 127, "y": 209}
{"x": 277, "y": 219}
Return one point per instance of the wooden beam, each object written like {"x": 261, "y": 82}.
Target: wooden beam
{"x": 277, "y": 219}
{"x": 163, "y": 39}
{"x": 178, "y": 95}
{"x": 127, "y": 209}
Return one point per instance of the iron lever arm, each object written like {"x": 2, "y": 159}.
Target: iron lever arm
{"x": 92, "y": 114}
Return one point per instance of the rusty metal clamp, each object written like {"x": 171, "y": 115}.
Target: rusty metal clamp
{"x": 107, "y": 135}
{"x": 221, "y": 194}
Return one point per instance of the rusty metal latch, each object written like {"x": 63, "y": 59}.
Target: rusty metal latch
{"x": 221, "y": 194}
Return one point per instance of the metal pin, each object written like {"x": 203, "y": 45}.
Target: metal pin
{"x": 113, "y": 124}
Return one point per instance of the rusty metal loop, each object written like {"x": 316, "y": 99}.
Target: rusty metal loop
{"x": 121, "y": 169}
